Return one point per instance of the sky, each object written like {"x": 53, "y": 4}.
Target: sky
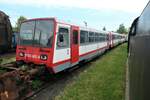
{"x": 97, "y": 13}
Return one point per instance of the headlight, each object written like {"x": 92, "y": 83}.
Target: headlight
{"x": 43, "y": 57}
{"x": 21, "y": 54}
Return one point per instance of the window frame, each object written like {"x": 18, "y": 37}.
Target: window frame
{"x": 39, "y": 44}
{"x": 57, "y": 33}
{"x": 86, "y": 37}
{"x": 91, "y": 36}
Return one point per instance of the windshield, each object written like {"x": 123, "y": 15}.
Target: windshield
{"x": 37, "y": 33}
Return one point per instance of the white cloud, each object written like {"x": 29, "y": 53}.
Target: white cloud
{"x": 122, "y": 5}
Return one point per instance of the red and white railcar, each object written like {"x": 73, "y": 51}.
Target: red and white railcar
{"x": 59, "y": 45}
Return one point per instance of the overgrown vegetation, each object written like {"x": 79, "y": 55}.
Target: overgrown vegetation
{"x": 7, "y": 60}
{"x": 2, "y": 70}
{"x": 36, "y": 84}
{"x": 18, "y": 23}
{"x": 104, "y": 80}
{"x": 122, "y": 29}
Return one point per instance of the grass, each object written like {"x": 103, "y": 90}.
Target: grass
{"x": 104, "y": 80}
{"x": 7, "y": 60}
{"x": 36, "y": 84}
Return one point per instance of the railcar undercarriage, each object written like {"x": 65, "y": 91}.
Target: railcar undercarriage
{"x": 16, "y": 80}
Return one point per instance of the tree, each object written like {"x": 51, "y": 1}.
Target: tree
{"x": 122, "y": 29}
{"x": 104, "y": 28}
{"x": 14, "y": 29}
{"x": 19, "y": 21}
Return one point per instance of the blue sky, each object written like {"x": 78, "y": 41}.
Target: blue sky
{"x": 96, "y": 13}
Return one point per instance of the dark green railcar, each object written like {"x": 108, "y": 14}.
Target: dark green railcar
{"x": 139, "y": 57}
{"x": 5, "y": 32}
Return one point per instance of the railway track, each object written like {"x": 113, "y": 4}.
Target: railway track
{"x": 16, "y": 81}
{"x": 58, "y": 82}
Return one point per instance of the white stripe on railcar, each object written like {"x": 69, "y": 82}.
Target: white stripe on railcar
{"x": 83, "y": 49}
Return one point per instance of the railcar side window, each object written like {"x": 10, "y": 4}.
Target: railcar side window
{"x": 96, "y": 37}
{"x": 105, "y": 36}
{"x": 63, "y": 38}
{"x": 91, "y": 37}
{"x": 83, "y": 37}
{"x": 101, "y": 37}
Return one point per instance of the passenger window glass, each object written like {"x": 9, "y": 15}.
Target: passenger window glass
{"x": 96, "y": 37}
{"x": 105, "y": 37}
{"x": 44, "y": 33}
{"x": 75, "y": 37}
{"x": 91, "y": 37}
{"x": 83, "y": 37}
{"x": 63, "y": 38}
{"x": 37, "y": 37}
{"x": 101, "y": 38}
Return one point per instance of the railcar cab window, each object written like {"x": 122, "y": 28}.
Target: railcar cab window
{"x": 26, "y": 33}
{"x": 37, "y": 33}
{"x": 43, "y": 33}
{"x": 62, "y": 38}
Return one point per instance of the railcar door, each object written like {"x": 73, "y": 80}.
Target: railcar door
{"x": 110, "y": 39}
{"x": 74, "y": 45}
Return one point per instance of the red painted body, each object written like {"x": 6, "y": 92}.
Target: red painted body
{"x": 32, "y": 54}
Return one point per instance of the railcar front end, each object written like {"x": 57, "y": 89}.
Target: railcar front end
{"x": 36, "y": 42}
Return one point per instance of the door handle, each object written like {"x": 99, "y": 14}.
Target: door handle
{"x": 67, "y": 51}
